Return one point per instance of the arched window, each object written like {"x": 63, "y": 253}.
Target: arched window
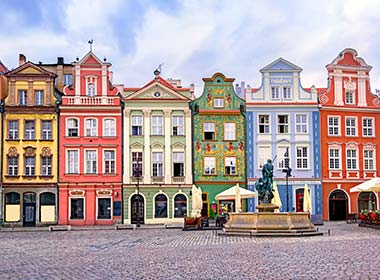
{"x": 47, "y": 198}
{"x": 72, "y": 127}
{"x": 367, "y": 201}
{"x": 47, "y": 207}
{"x": 161, "y": 206}
{"x": 12, "y": 198}
{"x": 180, "y": 206}
{"x": 109, "y": 127}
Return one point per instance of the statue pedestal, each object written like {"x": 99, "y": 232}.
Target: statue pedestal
{"x": 270, "y": 224}
{"x": 266, "y": 207}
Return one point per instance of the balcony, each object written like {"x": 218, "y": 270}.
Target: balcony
{"x": 157, "y": 179}
{"x": 85, "y": 100}
{"x": 134, "y": 179}
{"x": 178, "y": 179}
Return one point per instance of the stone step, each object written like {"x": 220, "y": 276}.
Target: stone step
{"x": 60, "y": 228}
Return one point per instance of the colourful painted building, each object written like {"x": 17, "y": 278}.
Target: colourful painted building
{"x": 157, "y": 152}
{"x": 90, "y": 144}
{"x": 64, "y": 72}
{"x": 283, "y": 125}
{"x": 350, "y": 129}
{"x": 29, "y": 149}
{"x": 3, "y": 94}
{"x": 218, "y": 142}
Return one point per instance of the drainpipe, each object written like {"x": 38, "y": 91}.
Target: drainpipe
{"x": 2, "y": 205}
{"x": 57, "y": 111}
{"x": 122, "y": 158}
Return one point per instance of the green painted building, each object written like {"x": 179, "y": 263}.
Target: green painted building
{"x": 218, "y": 143}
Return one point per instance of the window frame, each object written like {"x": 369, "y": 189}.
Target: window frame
{"x": 218, "y": 102}
{"x": 179, "y": 160}
{"x": 135, "y": 123}
{"x": 106, "y": 217}
{"x": 30, "y": 132}
{"x": 14, "y": 167}
{"x": 232, "y": 168}
{"x": 275, "y": 92}
{"x": 302, "y": 159}
{"x": 112, "y": 162}
{"x": 212, "y": 168}
{"x": 337, "y": 159}
{"x": 349, "y": 126}
{"x": 89, "y": 162}
{"x": 22, "y": 97}
{"x": 90, "y": 129}
{"x": 287, "y": 95}
{"x": 208, "y": 130}
{"x": 46, "y": 134}
{"x": 76, "y": 163}
{"x": 77, "y": 128}
{"x": 227, "y": 132}
{"x": 30, "y": 168}
{"x": 367, "y": 128}
{"x": 13, "y": 131}
{"x": 367, "y": 160}
{"x": 285, "y": 125}
{"x": 48, "y": 166}
{"x": 333, "y": 126}
{"x": 265, "y": 124}
{"x": 178, "y": 124}
{"x": 109, "y": 127}
{"x": 157, "y": 164}
{"x": 350, "y": 160}
{"x": 83, "y": 206}
{"x": 157, "y": 127}
{"x": 352, "y": 97}
{"x": 301, "y": 124}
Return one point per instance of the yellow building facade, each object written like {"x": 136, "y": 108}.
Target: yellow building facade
{"x": 30, "y": 147}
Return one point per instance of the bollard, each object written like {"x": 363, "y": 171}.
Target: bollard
{"x": 328, "y": 232}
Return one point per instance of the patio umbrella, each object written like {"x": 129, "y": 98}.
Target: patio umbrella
{"x": 199, "y": 201}
{"x": 306, "y": 199}
{"x": 229, "y": 194}
{"x": 372, "y": 185}
{"x": 276, "y": 200}
{"x": 237, "y": 199}
{"x": 195, "y": 202}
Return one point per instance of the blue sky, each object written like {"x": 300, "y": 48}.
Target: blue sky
{"x": 194, "y": 39}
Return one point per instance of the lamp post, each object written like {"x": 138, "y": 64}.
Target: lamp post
{"x": 288, "y": 172}
{"x": 137, "y": 174}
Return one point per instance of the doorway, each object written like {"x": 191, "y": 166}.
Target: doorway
{"x": 299, "y": 200}
{"x": 338, "y": 206}
{"x": 137, "y": 209}
{"x": 29, "y": 209}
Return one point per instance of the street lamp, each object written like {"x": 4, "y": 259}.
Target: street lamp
{"x": 137, "y": 174}
{"x": 288, "y": 172}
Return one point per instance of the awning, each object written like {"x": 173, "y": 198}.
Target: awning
{"x": 230, "y": 193}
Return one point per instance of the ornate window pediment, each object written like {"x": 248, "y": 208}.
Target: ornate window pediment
{"x": 46, "y": 152}
{"x": 136, "y": 146}
{"x": 12, "y": 152}
{"x": 30, "y": 151}
{"x": 178, "y": 146}
{"x": 157, "y": 145}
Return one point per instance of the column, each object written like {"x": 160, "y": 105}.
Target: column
{"x": 168, "y": 150}
{"x": 338, "y": 88}
{"x": 362, "y": 89}
{"x": 77, "y": 80}
{"x": 104, "y": 80}
{"x": 147, "y": 154}
{"x": 48, "y": 93}
{"x": 30, "y": 93}
{"x": 188, "y": 148}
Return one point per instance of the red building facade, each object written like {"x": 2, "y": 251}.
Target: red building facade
{"x": 90, "y": 146}
{"x": 350, "y": 130}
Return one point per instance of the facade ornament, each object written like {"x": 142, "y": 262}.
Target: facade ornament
{"x": 349, "y": 85}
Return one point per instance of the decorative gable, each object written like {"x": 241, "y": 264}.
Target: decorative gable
{"x": 281, "y": 65}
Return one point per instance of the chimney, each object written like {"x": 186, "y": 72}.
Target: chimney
{"x": 192, "y": 95}
{"x": 21, "y": 59}
{"x": 60, "y": 60}
{"x": 111, "y": 76}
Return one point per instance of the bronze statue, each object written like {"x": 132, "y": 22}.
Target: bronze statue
{"x": 264, "y": 186}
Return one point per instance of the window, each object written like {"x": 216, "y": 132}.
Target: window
{"x": 137, "y": 125}
{"x": 230, "y": 165}
{"x": 367, "y": 127}
{"x": 178, "y": 125}
{"x": 137, "y": 164}
{"x": 161, "y": 206}
{"x": 334, "y": 158}
{"x": 229, "y": 131}
{"x": 264, "y": 124}
{"x": 47, "y": 198}
{"x": 46, "y": 130}
{"x": 283, "y": 123}
{"x": 39, "y": 97}
{"x": 218, "y": 102}
{"x": 209, "y": 131}
{"x": 72, "y": 128}
{"x": 13, "y": 130}
{"x": 350, "y": 126}
{"x": 68, "y": 79}
{"x": 12, "y": 166}
{"x": 282, "y": 157}
{"x": 109, "y": 162}
{"x": 178, "y": 164}
{"x": 30, "y": 163}
{"x": 287, "y": 92}
{"x": 73, "y": 162}
{"x": 91, "y": 90}
{"x": 157, "y": 164}
{"x": 302, "y": 157}
{"x": 91, "y": 127}
{"x": 91, "y": 161}
{"x": 109, "y": 127}
{"x": 368, "y": 159}
{"x": 264, "y": 153}
{"x": 349, "y": 97}
{"x": 46, "y": 163}
{"x": 351, "y": 156}
{"x": 180, "y": 206}
{"x": 275, "y": 92}
{"x": 157, "y": 125}
{"x": 209, "y": 166}
{"x": 301, "y": 123}
{"x": 76, "y": 208}
{"x": 334, "y": 126}
{"x": 22, "y": 97}
{"x": 30, "y": 130}
{"x": 104, "y": 208}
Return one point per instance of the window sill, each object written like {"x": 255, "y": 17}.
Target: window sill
{"x": 210, "y": 140}
{"x": 12, "y": 139}
{"x": 109, "y": 174}
{"x": 72, "y": 174}
{"x": 157, "y": 135}
{"x": 12, "y": 176}
{"x": 182, "y": 135}
{"x": 109, "y": 137}
{"x": 139, "y": 135}
{"x": 103, "y": 219}
{"x": 333, "y": 135}
{"x": 209, "y": 175}
{"x": 46, "y": 176}
{"x": 231, "y": 175}
{"x": 92, "y": 137}
{"x": 29, "y": 176}
{"x": 46, "y": 140}
{"x": 29, "y": 140}
{"x": 371, "y": 136}
{"x": 66, "y": 136}
{"x": 90, "y": 174}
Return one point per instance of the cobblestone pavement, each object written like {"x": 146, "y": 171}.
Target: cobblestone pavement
{"x": 349, "y": 252}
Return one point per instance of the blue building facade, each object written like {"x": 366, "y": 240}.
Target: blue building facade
{"x": 283, "y": 125}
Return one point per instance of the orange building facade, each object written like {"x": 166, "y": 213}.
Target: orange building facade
{"x": 90, "y": 146}
{"x": 350, "y": 130}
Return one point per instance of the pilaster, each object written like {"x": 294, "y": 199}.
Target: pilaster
{"x": 127, "y": 167}
{"x": 188, "y": 150}
{"x": 338, "y": 100}
{"x": 167, "y": 133}
{"x": 147, "y": 154}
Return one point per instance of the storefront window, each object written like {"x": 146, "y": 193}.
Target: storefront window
{"x": 104, "y": 208}
{"x": 367, "y": 201}
{"x": 226, "y": 206}
{"x": 180, "y": 206}
{"x": 161, "y": 206}
{"x": 76, "y": 211}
